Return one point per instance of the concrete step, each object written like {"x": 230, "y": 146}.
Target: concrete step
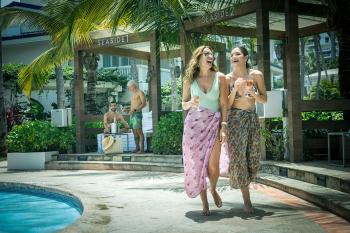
{"x": 125, "y": 157}
{"x": 111, "y": 165}
{"x": 332, "y": 200}
{"x": 320, "y": 173}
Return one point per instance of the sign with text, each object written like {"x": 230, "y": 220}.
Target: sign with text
{"x": 217, "y": 15}
{"x": 112, "y": 40}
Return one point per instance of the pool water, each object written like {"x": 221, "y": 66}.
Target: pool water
{"x": 29, "y": 210}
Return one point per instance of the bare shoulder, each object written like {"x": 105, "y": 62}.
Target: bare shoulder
{"x": 256, "y": 73}
{"x": 222, "y": 77}
{"x": 140, "y": 92}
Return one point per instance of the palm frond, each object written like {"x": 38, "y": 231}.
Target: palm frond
{"x": 35, "y": 75}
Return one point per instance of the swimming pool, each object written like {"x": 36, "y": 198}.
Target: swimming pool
{"x": 29, "y": 208}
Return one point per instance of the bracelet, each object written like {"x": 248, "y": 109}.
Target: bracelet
{"x": 224, "y": 123}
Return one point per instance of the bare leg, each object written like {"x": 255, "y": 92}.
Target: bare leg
{"x": 141, "y": 141}
{"x": 136, "y": 137}
{"x": 213, "y": 172}
{"x": 205, "y": 203}
{"x": 248, "y": 207}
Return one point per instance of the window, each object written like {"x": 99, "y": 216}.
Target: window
{"x": 106, "y": 61}
{"x": 125, "y": 61}
{"x": 115, "y": 61}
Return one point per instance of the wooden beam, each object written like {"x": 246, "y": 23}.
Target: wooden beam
{"x": 295, "y": 134}
{"x": 335, "y": 125}
{"x": 117, "y": 40}
{"x": 325, "y": 105}
{"x": 307, "y": 9}
{"x": 237, "y": 31}
{"x": 263, "y": 42}
{"x": 313, "y": 30}
{"x": 310, "y": 9}
{"x": 79, "y": 100}
{"x": 302, "y": 8}
{"x": 221, "y": 15}
{"x": 155, "y": 79}
{"x": 121, "y": 52}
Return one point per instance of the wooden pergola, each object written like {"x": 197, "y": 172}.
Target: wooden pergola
{"x": 122, "y": 44}
{"x": 288, "y": 21}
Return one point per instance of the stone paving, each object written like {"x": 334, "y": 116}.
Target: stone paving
{"x": 136, "y": 201}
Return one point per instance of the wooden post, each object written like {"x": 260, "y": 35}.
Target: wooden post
{"x": 185, "y": 50}
{"x": 263, "y": 42}
{"x": 293, "y": 82}
{"x": 155, "y": 81}
{"x": 222, "y": 58}
{"x": 185, "y": 53}
{"x": 79, "y": 101}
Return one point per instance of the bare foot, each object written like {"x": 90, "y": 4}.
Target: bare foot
{"x": 248, "y": 208}
{"x": 217, "y": 198}
{"x": 135, "y": 151}
{"x": 140, "y": 152}
{"x": 206, "y": 211}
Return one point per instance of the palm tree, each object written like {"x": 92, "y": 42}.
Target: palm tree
{"x": 58, "y": 19}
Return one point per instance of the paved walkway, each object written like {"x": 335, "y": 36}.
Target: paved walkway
{"x": 129, "y": 201}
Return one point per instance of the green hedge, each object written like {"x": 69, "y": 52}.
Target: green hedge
{"x": 34, "y": 136}
{"x": 167, "y": 139}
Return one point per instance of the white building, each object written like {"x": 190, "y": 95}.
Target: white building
{"x": 21, "y": 44}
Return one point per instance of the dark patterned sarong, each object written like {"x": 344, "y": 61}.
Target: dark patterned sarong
{"x": 200, "y": 131}
{"x": 243, "y": 146}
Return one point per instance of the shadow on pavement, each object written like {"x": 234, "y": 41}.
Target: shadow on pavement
{"x": 217, "y": 215}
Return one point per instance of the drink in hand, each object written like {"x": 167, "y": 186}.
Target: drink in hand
{"x": 249, "y": 87}
{"x": 196, "y": 100}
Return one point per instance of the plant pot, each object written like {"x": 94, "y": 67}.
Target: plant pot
{"x": 28, "y": 160}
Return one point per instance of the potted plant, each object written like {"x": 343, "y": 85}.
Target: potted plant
{"x": 33, "y": 143}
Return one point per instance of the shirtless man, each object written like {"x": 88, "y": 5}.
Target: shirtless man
{"x": 109, "y": 116}
{"x": 138, "y": 102}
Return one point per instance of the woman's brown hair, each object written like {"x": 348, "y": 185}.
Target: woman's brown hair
{"x": 192, "y": 70}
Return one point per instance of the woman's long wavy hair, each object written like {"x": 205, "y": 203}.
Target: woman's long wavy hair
{"x": 193, "y": 69}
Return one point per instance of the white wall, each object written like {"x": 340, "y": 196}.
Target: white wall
{"x": 23, "y": 53}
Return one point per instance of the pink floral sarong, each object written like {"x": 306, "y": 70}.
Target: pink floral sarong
{"x": 200, "y": 131}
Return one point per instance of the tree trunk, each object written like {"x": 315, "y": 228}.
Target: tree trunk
{"x": 317, "y": 53}
{"x": 3, "y": 122}
{"x": 59, "y": 87}
{"x": 90, "y": 64}
{"x": 173, "y": 86}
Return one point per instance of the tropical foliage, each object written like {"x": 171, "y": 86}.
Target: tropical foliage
{"x": 10, "y": 71}
{"x": 166, "y": 93}
{"x": 167, "y": 139}
{"x": 33, "y": 136}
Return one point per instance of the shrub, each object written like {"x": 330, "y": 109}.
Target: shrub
{"x": 167, "y": 139}
{"x": 273, "y": 133}
{"x": 34, "y": 136}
